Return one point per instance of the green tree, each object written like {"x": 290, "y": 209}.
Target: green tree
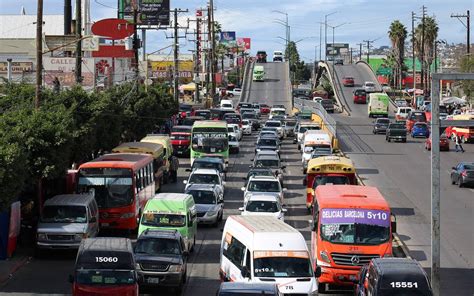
{"x": 292, "y": 55}
{"x": 426, "y": 44}
{"x": 467, "y": 65}
{"x": 12, "y": 172}
{"x": 398, "y": 34}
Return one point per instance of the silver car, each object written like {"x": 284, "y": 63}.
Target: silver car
{"x": 209, "y": 203}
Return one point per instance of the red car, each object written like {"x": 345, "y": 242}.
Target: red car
{"x": 360, "y": 96}
{"x": 348, "y": 81}
{"x": 443, "y": 143}
{"x": 264, "y": 109}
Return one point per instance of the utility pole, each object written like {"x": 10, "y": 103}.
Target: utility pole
{"x": 423, "y": 48}
{"x": 176, "y": 54}
{"x": 360, "y": 51}
{"x": 413, "y": 15}
{"x": 351, "y": 55}
{"x": 213, "y": 49}
{"x": 67, "y": 17}
{"x": 326, "y": 35}
{"x": 320, "y": 39}
{"x": 136, "y": 45}
{"x": 210, "y": 89}
{"x": 468, "y": 27}
{"x": 79, "y": 42}
{"x": 39, "y": 54}
{"x": 368, "y": 48}
{"x": 197, "y": 79}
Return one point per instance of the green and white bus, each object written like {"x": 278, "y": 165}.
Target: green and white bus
{"x": 378, "y": 105}
{"x": 209, "y": 138}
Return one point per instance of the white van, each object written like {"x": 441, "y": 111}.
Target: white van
{"x": 402, "y": 113}
{"x": 314, "y": 140}
{"x": 261, "y": 249}
{"x": 301, "y": 128}
{"x": 227, "y": 104}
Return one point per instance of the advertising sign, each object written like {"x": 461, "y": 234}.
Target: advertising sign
{"x": 228, "y": 38}
{"x": 243, "y": 43}
{"x": 336, "y": 49}
{"x": 64, "y": 69}
{"x": 112, "y": 28}
{"x": 150, "y": 12}
{"x": 164, "y": 69}
{"x": 17, "y": 67}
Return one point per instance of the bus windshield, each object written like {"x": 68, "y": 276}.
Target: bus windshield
{"x": 355, "y": 226}
{"x": 113, "y": 186}
{"x": 105, "y": 277}
{"x": 163, "y": 220}
{"x": 282, "y": 267}
{"x": 210, "y": 142}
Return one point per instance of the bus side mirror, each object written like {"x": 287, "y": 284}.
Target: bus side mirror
{"x": 317, "y": 271}
{"x": 70, "y": 278}
{"x": 393, "y": 223}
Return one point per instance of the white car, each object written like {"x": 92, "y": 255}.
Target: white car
{"x": 232, "y": 131}
{"x": 369, "y": 86}
{"x": 268, "y": 185}
{"x": 277, "y": 111}
{"x": 246, "y": 127}
{"x": 279, "y": 127}
{"x": 235, "y": 92}
{"x": 227, "y": 104}
{"x": 263, "y": 205}
{"x": 237, "y": 129}
{"x": 234, "y": 145}
{"x": 205, "y": 176}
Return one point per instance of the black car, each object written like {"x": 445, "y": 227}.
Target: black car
{"x": 463, "y": 174}
{"x": 392, "y": 276}
{"x": 380, "y": 125}
{"x": 161, "y": 258}
{"x": 328, "y": 105}
{"x": 204, "y": 113}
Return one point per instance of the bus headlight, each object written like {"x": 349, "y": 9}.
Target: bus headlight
{"x": 127, "y": 215}
{"x": 325, "y": 256}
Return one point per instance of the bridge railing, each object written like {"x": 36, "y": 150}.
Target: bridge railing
{"x": 246, "y": 80}
{"x": 317, "y": 109}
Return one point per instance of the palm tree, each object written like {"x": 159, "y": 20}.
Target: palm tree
{"x": 398, "y": 34}
{"x": 425, "y": 46}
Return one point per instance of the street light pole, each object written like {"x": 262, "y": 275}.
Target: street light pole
{"x": 326, "y": 34}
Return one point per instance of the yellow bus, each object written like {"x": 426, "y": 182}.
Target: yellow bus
{"x": 155, "y": 150}
{"x": 328, "y": 170}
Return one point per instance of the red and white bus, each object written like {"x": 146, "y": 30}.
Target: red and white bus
{"x": 122, "y": 183}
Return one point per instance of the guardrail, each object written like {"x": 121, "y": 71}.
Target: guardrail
{"x": 289, "y": 86}
{"x": 334, "y": 82}
{"x": 317, "y": 109}
{"x": 245, "y": 82}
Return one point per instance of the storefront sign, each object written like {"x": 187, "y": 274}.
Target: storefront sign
{"x": 17, "y": 67}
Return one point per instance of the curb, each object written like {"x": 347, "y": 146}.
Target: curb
{"x": 21, "y": 262}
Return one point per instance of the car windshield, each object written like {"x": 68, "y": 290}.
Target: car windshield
{"x": 264, "y": 186}
{"x": 158, "y": 247}
{"x": 105, "y": 277}
{"x": 267, "y": 142}
{"x": 320, "y": 147}
{"x": 267, "y": 163}
{"x": 203, "y": 197}
{"x": 278, "y": 112}
{"x": 320, "y": 152}
{"x": 232, "y": 139}
{"x": 226, "y": 105}
{"x": 355, "y": 226}
{"x": 163, "y": 220}
{"x": 273, "y": 124}
{"x": 336, "y": 180}
{"x": 113, "y": 187}
{"x": 282, "y": 267}
{"x": 249, "y": 115}
{"x": 418, "y": 117}
{"x": 369, "y": 84}
{"x": 397, "y": 126}
{"x": 421, "y": 126}
{"x": 230, "y": 129}
{"x": 204, "y": 179}
{"x": 469, "y": 167}
{"x": 206, "y": 165}
{"x": 64, "y": 214}
{"x": 290, "y": 123}
{"x": 383, "y": 121}
{"x": 245, "y": 122}
{"x": 259, "y": 173}
{"x": 264, "y": 206}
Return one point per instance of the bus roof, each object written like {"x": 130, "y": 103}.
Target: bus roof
{"x": 119, "y": 160}
{"x": 263, "y": 224}
{"x": 379, "y": 96}
{"x": 350, "y": 196}
{"x": 210, "y": 123}
{"x": 343, "y": 164}
{"x": 154, "y": 149}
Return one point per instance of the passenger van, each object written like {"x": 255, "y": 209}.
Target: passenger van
{"x": 351, "y": 225}
{"x": 378, "y": 104}
{"x": 315, "y": 140}
{"x": 105, "y": 266}
{"x": 66, "y": 220}
{"x": 258, "y": 73}
{"x": 172, "y": 211}
{"x": 165, "y": 141}
{"x": 264, "y": 249}
{"x": 157, "y": 151}
{"x": 301, "y": 128}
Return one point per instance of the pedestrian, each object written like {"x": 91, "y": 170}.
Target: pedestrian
{"x": 458, "y": 143}
{"x": 174, "y": 164}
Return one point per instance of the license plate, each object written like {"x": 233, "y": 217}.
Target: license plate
{"x": 180, "y": 152}
{"x": 153, "y": 280}
{"x": 105, "y": 224}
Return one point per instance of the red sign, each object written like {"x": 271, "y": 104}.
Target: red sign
{"x": 111, "y": 51}
{"x": 243, "y": 43}
{"x": 113, "y": 28}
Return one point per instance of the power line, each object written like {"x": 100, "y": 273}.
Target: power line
{"x": 467, "y": 25}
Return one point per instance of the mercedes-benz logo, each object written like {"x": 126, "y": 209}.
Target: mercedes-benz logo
{"x": 355, "y": 260}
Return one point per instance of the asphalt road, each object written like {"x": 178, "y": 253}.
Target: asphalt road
{"x": 402, "y": 172}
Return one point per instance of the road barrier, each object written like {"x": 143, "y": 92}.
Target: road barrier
{"x": 246, "y": 81}
{"x": 316, "y": 108}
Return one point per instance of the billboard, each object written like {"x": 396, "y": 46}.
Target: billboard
{"x": 336, "y": 49}
{"x": 243, "y": 43}
{"x": 164, "y": 70}
{"x": 63, "y": 68}
{"x": 150, "y": 12}
{"x": 17, "y": 67}
{"x": 228, "y": 38}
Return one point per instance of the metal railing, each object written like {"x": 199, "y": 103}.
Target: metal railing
{"x": 246, "y": 81}
{"x": 317, "y": 109}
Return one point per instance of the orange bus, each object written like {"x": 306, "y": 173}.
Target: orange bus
{"x": 328, "y": 170}
{"x": 351, "y": 225}
{"x": 122, "y": 184}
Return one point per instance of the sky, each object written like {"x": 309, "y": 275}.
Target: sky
{"x": 359, "y": 19}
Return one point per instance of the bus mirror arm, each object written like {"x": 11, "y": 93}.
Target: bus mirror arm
{"x": 317, "y": 272}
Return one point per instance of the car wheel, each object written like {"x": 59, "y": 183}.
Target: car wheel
{"x": 452, "y": 180}
{"x": 460, "y": 182}
{"x": 373, "y": 132}
{"x": 404, "y": 140}
{"x": 388, "y": 139}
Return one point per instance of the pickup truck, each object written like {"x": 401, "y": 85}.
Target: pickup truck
{"x": 396, "y": 131}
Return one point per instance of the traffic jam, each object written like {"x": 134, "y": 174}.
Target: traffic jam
{"x": 351, "y": 224}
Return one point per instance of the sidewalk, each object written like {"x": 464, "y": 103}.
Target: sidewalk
{"x": 8, "y": 267}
